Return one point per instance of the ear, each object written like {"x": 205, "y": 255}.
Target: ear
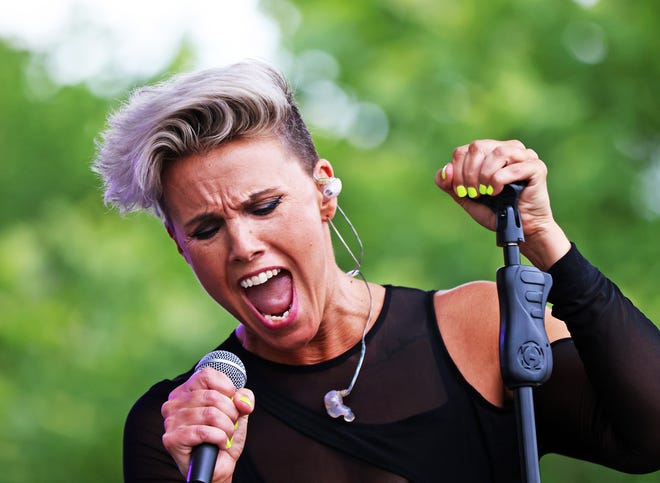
{"x": 323, "y": 171}
{"x": 172, "y": 233}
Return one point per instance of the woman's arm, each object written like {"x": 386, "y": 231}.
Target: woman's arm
{"x": 602, "y": 402}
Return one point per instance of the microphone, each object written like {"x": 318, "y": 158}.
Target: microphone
{"x": 204, "y": 456}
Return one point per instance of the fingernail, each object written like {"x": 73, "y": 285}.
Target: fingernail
{"x": 230, "y": 441}
{"x": 489, "y": 190}
{"x": 472, "y": 192}
{"x": 236, "y": 425}
{"x": 483, "y": 189}
{"x": 443, "y": 173}
{"x": 245, "y": 400}
{"x": 461, "y": 191}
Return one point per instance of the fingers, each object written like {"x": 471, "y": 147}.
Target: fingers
{"x": 484, "y": 167}
{"x": 206, "y": 409}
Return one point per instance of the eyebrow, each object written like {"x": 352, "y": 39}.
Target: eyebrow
{"x": 252, "y": 198}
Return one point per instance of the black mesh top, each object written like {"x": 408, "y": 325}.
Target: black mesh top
{"x": 417, "y": 419}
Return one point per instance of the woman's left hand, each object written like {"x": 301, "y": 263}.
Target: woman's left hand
{"x": 483, "y": 168}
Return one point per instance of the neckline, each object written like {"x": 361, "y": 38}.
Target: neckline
{"x": 351, "y": 351}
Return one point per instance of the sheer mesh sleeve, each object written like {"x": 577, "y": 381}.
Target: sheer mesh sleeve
{"x": 145, "y": 457}
{"x": 602, "y": 402}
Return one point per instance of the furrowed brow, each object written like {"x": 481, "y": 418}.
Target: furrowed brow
{"x": 252, "y": 198}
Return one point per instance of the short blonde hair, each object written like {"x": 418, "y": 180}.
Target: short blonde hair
{"x": 191, "y": 114}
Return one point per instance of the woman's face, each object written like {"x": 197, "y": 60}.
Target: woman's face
{"x": 251, "y": 224}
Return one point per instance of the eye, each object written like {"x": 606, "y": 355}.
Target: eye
{"x": 205, "y": 232}
{"x": 267, "y": 207}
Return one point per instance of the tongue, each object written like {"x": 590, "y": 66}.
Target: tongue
{"x": 272, "y": 297}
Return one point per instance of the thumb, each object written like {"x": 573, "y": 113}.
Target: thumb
{"x": 444, "y": 179}
{"x": 244, "y": 402}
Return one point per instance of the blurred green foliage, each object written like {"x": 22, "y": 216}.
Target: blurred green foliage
{"x": 94, "y": 307}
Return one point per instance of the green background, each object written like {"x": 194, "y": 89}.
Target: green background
{"x": 94, "y": 307}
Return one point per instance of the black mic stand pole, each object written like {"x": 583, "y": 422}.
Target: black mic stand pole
{"x": 525, "y": 355}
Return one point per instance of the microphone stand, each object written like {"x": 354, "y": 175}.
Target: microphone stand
{"x": 525, "y": 355}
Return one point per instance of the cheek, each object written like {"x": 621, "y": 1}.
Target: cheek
{"x": 304, "y": 237}
{"x": 208, "y": 269}
{"x": 308, "y": 224}
{"x": 311, "y": 252}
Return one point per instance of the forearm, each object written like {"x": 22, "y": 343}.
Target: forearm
{"x": 619, "y": 347}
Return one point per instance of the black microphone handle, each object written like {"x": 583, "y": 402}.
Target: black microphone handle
{"x": 202, "y": 463}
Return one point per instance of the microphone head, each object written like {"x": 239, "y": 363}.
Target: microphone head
{"x": 227, "y": 363}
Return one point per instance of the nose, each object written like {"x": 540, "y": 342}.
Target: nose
{"x": 244, "y": 241}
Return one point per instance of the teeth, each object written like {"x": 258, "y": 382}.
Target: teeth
{"x": 260, "y": 278}
{"x": 277, "y": 318}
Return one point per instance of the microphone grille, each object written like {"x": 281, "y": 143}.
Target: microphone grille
{"x": 227, "y": 363}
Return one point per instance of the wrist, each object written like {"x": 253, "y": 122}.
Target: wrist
{"x": 545, "y": 246}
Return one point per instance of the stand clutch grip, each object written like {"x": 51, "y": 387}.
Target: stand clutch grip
{"x": 525, "y": 355}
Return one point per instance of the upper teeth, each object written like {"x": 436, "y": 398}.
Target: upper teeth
{"x": 260, "y": 278}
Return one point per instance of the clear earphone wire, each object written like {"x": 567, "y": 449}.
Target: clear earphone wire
{"x": 357, "y": 261}
{"x": 334, "y": 399}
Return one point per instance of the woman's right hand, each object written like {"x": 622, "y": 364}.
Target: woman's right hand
{"x": 484, "y": 167}
{"x": 207, "y": 408}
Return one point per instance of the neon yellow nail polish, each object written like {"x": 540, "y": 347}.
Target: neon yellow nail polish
{"x": 236, "y": 425}
{"x": 443, "y": 174}
{"x": 489, "y": 190}
{"x": 230, "y": 441}
{"x": 245, "y": 400}
{"x": 461, "y": 191}
{"x": 472, "y": 192}
{"x": 482, "y": 189}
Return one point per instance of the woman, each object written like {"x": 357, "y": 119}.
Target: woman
{"x": 224, "y": 159}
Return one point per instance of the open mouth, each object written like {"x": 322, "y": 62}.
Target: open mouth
{"x": 271, "y": 293}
